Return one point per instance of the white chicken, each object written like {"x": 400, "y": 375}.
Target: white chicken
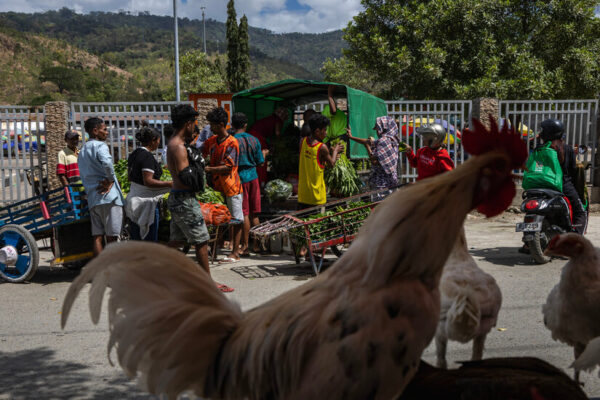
{"x": 572, "y": 311}
{"x": 471, "y": 300}
{"x": 356, "y": 331}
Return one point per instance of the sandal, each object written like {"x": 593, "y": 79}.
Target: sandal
{"x": 224, "y": 288}
{"x": 225, "y": 260}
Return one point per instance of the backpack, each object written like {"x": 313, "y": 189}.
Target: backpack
{"x": 196, "y": 163}
{"x": 543, "y": 170}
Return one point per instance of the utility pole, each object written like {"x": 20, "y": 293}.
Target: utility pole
{"x": 203, "y": 28}
{"x": 176, "y": 52}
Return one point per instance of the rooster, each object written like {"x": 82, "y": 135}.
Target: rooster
{"x": 515, "y": 378}
{"x": 471, "y": 300}
{"x": 356, "y": 331}
{"x": 571, "y": 311}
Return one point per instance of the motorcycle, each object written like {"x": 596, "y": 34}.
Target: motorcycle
{"x": 547, "y": 214}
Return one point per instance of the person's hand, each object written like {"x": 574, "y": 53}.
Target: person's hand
{"x": 104, "y": 186}
{"x": 408, "y": 149}
{"x": 349, "y": 132}
{"x": 338, "y": 147}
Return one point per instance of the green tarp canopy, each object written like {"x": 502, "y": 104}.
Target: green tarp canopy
{"x": 363, "y": 108}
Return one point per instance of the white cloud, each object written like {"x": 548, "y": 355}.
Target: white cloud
{"x": 324, "y": 15}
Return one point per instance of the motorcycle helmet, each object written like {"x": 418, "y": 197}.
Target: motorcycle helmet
{"x": 552, "y": 129}
{"x": 433, "y": 135}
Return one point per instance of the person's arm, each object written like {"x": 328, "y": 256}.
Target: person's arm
{"x": 149, "y": 181}
{"x": 332, "y": 107}
{"x": 105, "y": 159}
{"x": 179, "y": 154}
{"x": 364, "y": 142}
{"x": 229, "y": 161}
{"x": 445, "y": 162}
{"x": 259, "y": 157}
{"x": 412, "y": 158}
{"x": 327, "y": 158}
{"x": 61, "y": 169}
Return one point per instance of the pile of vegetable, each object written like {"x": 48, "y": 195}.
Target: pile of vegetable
{"x": 122, "y": 176}
{"x": 278, "y": 190}
{"x": 342, "y": 180}
{"x": 332, "y": 227}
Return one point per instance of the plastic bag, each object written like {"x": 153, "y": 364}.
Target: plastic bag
{"x": 278, "y": 190}
{"x": 215, "y": 214}
{"x": 543, "y": 170}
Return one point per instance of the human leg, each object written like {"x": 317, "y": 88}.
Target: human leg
{"x": 579, "y": 214}
{"x": 97, "y": 244}
{"x": 246, "y": 211}
{"x": 202, "y": 256}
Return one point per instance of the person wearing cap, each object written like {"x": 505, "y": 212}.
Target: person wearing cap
{"x": 67, "y": 169}
{"x": 433, "y": 158}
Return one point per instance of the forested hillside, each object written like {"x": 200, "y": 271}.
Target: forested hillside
{"x": 134, "y": 54}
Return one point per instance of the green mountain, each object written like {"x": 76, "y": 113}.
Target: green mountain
{"x": 134, "y": 53}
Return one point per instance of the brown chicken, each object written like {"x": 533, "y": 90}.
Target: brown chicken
{"x": 471, "y": 300}
{"x": 571, "y": 311}
{"x": 356, "y": 331}
{"x": 514, "y": 378}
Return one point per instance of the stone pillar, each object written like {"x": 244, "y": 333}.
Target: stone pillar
{"x": 483, "y": 107}
{"x": 595, "y": 189}
{"x": 57, "y": 123}
{"x": 203, "y": 107}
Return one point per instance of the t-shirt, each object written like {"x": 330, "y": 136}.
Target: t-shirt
{"x": 67, "y": 165}
{"x": 264, "y": 128}
{"x": 430, "y": 162}
{"x": 141, "y": 160}
{"x": 224, "y": 153}
{"x": 339, "y": 123}
{"x": 250, "y": 156}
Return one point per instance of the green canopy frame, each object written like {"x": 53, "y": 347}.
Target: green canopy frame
{"x": 363, "y": 108}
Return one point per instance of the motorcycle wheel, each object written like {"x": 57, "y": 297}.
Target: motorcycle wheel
{"x": 536, "y": 249}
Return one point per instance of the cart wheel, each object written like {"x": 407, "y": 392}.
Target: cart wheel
{"x": 15, "y": 238}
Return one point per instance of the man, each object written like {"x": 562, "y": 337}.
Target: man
{"x": 250, "y": 157}
{"x": 104, "y": 196}
{"x": 305, "y": 130}
{"x": 185, "y": 166}
{"x": 67, "y": 168}
{"x": 338, "y": 119}
{"x": 314, "y": 157}
{"x": 223, "y": 150}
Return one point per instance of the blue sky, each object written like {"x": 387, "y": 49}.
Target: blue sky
{"x": 312, "y": 16}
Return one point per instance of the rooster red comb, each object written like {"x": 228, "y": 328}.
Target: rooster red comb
{"x": 480, "y": 140}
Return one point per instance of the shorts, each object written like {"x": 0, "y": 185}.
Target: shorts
{"x": 234, "y": 203}
{"x": 251, "y": 203}
{"x": 187, "y": 222}
{"x": 106, "y": 219}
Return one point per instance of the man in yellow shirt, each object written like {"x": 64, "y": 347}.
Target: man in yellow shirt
{"x": 338, "y": 119}
{"x": 314, "y": 157}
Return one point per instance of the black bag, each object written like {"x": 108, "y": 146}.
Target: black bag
{"x": 196, "y": 165}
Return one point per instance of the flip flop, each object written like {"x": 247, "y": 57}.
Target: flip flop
{"x": 224, "y": 288}
{"x": 228, "y": 260}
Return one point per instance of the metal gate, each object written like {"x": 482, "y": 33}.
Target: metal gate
{"x": 578, "y": 116}
{"x": 23, "y": 160}
{"x": 453, "y": 115}
{"x": 122, "y": 120}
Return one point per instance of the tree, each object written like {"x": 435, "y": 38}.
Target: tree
{"x": 345, "y": 71}
{"x": 65, "y": 78}
{"x": 232, "y": 48}
{"x": 469, "y": 48}
{"x": 243, "y": 55}
{"x": 200, "y": 74}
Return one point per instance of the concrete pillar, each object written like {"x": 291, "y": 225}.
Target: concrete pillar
{"x": 483, "y": 107}
{"x": 57, "y": 123}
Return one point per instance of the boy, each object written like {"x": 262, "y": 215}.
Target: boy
{"x": 104, "y": 196}
{"x": 432, "y": 159}
{"x": 250, "y": 157}
{"x": 67, "y": 168}
{"x": 314, "y": 157}
{"x": 224, "y": 151}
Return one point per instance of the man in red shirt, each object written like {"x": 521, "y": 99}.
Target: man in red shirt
{"x": 223, "y": 150}
{"x": 432, "y": 159}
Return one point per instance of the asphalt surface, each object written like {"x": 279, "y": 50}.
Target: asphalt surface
{"x": 40, "y": 361}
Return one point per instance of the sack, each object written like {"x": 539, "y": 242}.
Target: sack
{"x": 215, "y": 214}
{"x": 543, "y": 170}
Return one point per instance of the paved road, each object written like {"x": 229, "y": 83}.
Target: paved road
{"x": 39, "y": 361}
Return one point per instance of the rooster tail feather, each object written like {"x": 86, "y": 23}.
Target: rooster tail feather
{"x": 463, "y": 316}
{"x": 168, "y": 321}
{"x": 590, "y": 357}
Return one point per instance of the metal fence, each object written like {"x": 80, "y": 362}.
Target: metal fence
{"x": 578, "y": 116}
{"x": 23, "y": 158}
{"x": 123, "y": 120}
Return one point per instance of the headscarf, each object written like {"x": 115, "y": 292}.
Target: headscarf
{"x": 386, "y": 149}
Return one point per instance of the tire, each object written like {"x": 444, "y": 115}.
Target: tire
{"x": 29, "y": 257}
{"x": 536, "y": 250}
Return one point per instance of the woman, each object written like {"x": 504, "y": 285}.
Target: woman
{"x": 383, "y": 153}
{"x": 146, "y": 187}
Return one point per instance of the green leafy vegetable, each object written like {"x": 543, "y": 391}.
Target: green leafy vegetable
{"x": 342, "y": 180}
{"x": 278, "y": 190}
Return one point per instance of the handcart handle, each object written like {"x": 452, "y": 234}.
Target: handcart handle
{"x": 68, "y": 195}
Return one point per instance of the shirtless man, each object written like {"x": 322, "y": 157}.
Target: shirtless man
{"x": 187, "y": 222}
